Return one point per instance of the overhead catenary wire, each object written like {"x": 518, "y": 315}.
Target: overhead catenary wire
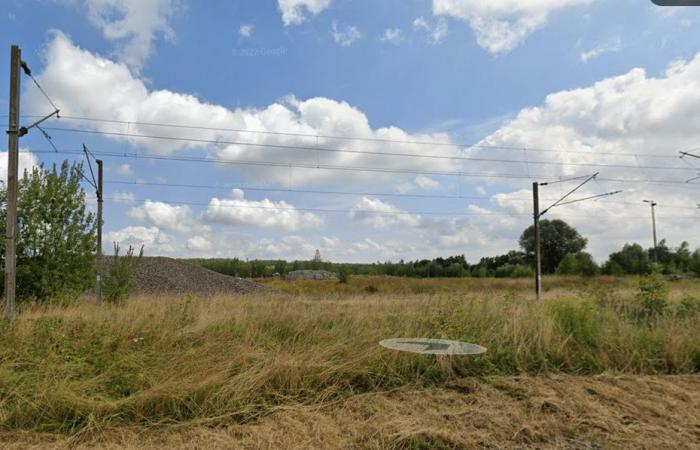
{"x": 248, "y": 188}
{"x": 362, "y": 152}
{"x": 356, "y": 168}
{"x": 295, "y": 191}
{"x": 364, "y": 139}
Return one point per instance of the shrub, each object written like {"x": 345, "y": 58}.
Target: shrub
{"x": 613, "y": 268}
{"x": 343, "y": 275}
{"x": 652, "y": 297}
{"x": 522, "y": 271}
{"x": 514, "y": 271}
{"x": 118, "y": 284}
{"x": 695, "y": 263}
{"x": 578, "y": 264}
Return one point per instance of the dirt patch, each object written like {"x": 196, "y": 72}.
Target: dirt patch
{"x": 158, "y": 275}
{"x": 562, "y": 412}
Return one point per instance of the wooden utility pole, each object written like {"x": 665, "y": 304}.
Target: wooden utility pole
{"x": 538, "y": 252}
{"x": 98, "y": 286}
{"x": 12, "y": 175}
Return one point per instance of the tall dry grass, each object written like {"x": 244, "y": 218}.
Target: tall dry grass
{"x": 157, "y": 361}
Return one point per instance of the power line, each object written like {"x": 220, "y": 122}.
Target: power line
{"x": 363, "y": 139}
{"x": 297, "y": 191}
{"x": 355, "y": 193}
{"x": 356, "y": 168}
{"x": 362, "y": 152}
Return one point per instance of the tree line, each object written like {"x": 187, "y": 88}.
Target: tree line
{"x": 563, "y": 253}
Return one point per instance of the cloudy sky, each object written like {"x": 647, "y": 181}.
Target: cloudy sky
{"x": 371, "y": 130}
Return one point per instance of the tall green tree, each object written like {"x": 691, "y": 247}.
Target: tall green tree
{"x": 56, "y": 234}
{"x": 558, "y": 239}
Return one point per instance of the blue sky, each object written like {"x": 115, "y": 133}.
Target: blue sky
{"x": 610, "y": 82}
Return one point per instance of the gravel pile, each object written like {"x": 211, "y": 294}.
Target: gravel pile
{"x": 157, "y": 275}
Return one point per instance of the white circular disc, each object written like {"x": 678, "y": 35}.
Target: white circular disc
{"x": 432, "y": 346}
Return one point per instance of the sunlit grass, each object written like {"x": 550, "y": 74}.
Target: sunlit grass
{"x": 171, "y": 360}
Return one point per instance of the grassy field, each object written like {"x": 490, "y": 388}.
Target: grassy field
{"x": 215, "y": 372}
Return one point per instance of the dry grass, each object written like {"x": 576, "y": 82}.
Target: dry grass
{"x": 218, "y": 371}
{"x": 560, "y": 412}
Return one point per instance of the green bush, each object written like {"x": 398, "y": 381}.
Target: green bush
{"x": 118, "y": 283}
{"x": 578, "y": 264}
{"x": 514, "y": 271}
{"x": 695, "y": 263}
{"x": 56, "y": 235}
{"x": 522, "y": 271}
{"x": 652, "y": 297}
{"x": 343, "y": 275}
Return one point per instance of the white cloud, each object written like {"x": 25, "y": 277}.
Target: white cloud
{"x": 502, "y": 25}
{"x": 393, "y": 36}
{"x": 152, "y": 239}
{"x": 133, "y": 23}
{"x": 163, "y": 215}
{"x": 123, "y": 197}
{"x": 426, "y": 183}
{"x": 125, "y": 170}
{"x": 246, "y": 30}
{"x": 420, "y": 181}
{"x": 330, "y": 242}
{"x": 619, "y": 120}
{"x": 611, "y": 46}
{"x": 405, "y": 188}
{"x": 27, "y": 161}
{"x": 87, "y": 85}
{"x": 199, "y": 244}
{"x": 380, "y": 214}
{"x": 293, "y": 10}
{"x": 264, "y": 213}
{"x": 631, "y": 113}
{"x": 346, "y": 37}
{"x": 434, "y": 33}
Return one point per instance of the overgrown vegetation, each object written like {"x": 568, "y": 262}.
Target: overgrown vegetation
{"x": 118, "y": 282}
{"x": 81, "y": 369}
{"x": 56, "y": 244}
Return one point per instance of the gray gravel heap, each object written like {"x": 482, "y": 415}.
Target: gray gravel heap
{"x": 158, "y": 275}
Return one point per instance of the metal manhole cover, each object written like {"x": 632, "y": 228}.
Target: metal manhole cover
{"x": 432, "y": 346}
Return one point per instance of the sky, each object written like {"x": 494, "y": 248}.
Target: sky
{"x": 371, "y": 130}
